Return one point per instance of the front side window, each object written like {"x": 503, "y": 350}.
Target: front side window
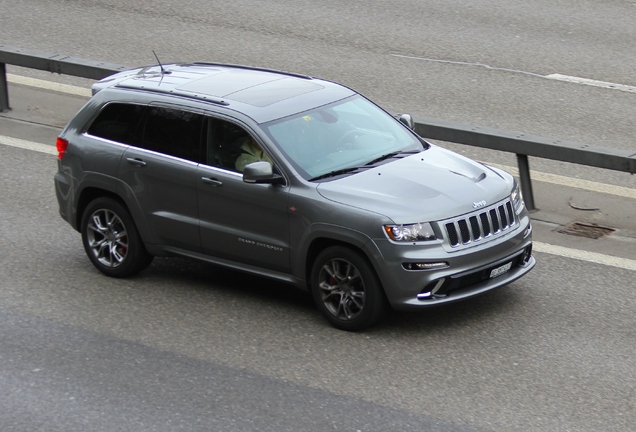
{"x": 341, "y": 136}
{"x": 174, "y": 132}
{"x": 231, "y": 147}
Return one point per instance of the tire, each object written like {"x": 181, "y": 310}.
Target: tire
{"x": 111, "y": 239}
{"x": 346, "y": 289}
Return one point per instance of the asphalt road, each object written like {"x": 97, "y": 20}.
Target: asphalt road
{"x": 487, "y": 59}
{"x": 188, "y": 346}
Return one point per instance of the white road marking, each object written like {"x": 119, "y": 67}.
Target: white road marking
{"x": 558, "y": 77}
{"x": 81, "y": 91}
{"x": 536, "y": 175}
{"x": 577, "y": 254}
{"x": 592, "y": 257}
{"x": 539, "y": 176}
{"x": 48, "y": 85}
{"x": 486, "y": 66}
{"x": 28, "y": 145}
{"x": 590, "y": 82}
{"x": 572, "y": 182}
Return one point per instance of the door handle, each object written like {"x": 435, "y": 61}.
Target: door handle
{"x": 211, "y": 181}
{"x": 136, "y": 161}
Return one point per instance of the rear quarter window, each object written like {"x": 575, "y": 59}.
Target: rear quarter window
{"x": 118, "y": 122}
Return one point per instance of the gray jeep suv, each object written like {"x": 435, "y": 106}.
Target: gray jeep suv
{"x": 289, "y": 177}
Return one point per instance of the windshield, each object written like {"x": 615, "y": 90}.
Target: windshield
{"x": 339, "y": 137}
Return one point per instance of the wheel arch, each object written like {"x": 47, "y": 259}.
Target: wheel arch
{"x": 91, "y": 193}
{"x": 337, "y": 301}
{"x": 110, "y": 236}
{"x": 86, "y": 196}
{"x": 354, "y": 241}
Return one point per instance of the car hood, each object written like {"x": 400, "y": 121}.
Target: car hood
{"x": 432, "y": 185}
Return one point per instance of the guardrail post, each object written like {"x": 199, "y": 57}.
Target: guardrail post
{"x": 526, "y": 183}
{"x": 4, "y": 89}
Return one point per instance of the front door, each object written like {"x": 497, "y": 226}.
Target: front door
{"x": 242, "y": 222}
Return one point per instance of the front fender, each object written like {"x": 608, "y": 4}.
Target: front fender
{"x": 322, "y": 235}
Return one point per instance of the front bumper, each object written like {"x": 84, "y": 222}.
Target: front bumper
{"x": 469, "y": 272}
{"x": 474, "y": 282}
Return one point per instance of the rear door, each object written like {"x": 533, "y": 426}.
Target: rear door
{"x": 161, "y": 174}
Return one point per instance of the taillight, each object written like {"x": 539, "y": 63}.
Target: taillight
{"x": 61, "y": 144}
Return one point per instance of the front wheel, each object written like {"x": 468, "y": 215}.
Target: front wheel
{"x": 346, "y": 289}
{"x": 111, "y": 240}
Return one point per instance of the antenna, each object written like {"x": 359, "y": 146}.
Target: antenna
{"x": 163, "y": 71}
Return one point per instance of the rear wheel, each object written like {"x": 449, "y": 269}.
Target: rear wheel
{"x": 111, "y": 239}
{"x": 346, "y": 289}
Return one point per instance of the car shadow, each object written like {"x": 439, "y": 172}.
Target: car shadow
{"x": 235, "y": 286}
{"x": 493, "y": 306}
{"x": 205, "y": 276}
{"x": 243, "y": 287}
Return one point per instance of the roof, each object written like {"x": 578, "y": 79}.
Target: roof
{"x": 261, "y": 94}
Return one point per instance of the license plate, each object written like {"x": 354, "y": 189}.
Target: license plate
{"x": 500, "y": 270}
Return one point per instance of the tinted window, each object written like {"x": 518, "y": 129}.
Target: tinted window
{"x": 118, "y": 122}
{"x": 231, "y": 147}
{"x": 225, "y": 140}
{"x": 174, "y": 132}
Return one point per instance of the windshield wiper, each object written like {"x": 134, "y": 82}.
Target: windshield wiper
{"x": 366, "y": 165}
{"x": 338, "y": 172}
{"x": 390, "y": 155}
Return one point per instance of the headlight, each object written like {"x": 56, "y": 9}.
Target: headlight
{"x": 410, "y": 233}
{"x": 516, "y": 197}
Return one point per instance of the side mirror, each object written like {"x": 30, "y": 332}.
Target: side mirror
{"x": 407, "y": 120}
{"x": 261, "y": 172}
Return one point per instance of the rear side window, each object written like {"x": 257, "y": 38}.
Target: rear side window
{"x": 174, "y": 132}
{"x": 118, "y": 122}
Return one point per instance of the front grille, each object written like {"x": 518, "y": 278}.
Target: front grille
{"x": 481, "y": 224}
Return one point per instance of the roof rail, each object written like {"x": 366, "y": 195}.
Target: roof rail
{"x": 204, "y": 98}
{"x": 296, "y": 75}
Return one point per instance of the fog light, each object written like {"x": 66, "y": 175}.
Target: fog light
{"x": 424, "y": 265}
{"x": 427, "y": 294}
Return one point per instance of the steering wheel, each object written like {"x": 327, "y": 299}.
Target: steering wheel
{"x": 348, "y": 139}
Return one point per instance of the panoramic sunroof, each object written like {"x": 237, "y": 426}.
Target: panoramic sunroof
{"x": 225, "y": 83}
{"x": 274, "y": 91}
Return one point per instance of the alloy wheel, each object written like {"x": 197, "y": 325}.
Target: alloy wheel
{"x": 342, "y": 289}
{"x": 107, "y": 238}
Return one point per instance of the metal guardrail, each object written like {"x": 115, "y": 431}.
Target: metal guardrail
{"x": 527, "y": 145}
{"x": 55, "y": 63}
{"x": 520, "y": 144}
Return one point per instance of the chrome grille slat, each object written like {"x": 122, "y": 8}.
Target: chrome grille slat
{"x": 452, "y": 233}
{"x": 463, "y": 230}
{"x": 480, "y": 224}
{"x": 503, "y": 217}
{"x": 494, "y": 220}
{"x": 475, "y": 228}
{"x": 485, "y": 224}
